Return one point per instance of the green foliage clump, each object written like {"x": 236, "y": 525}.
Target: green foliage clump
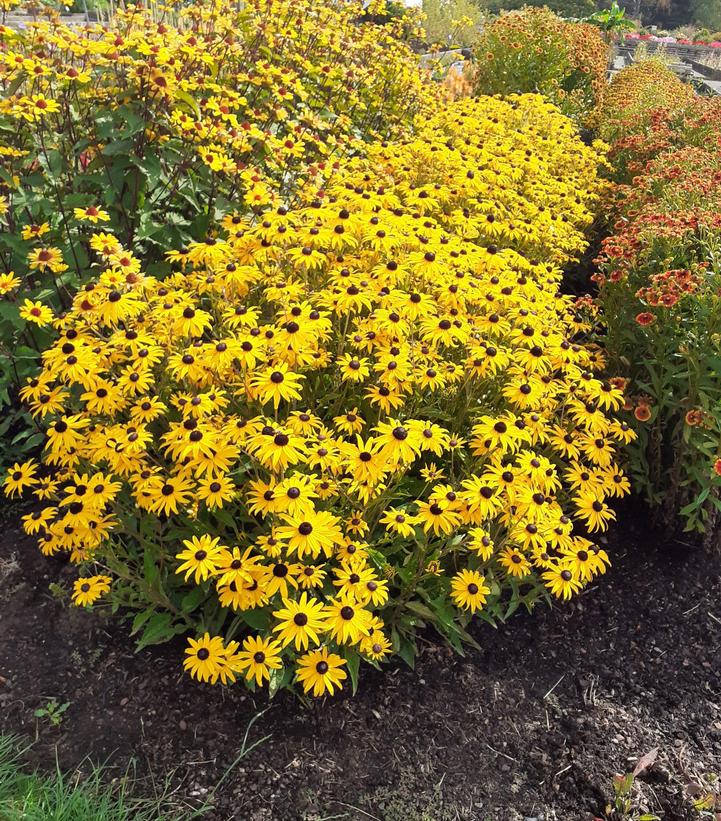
{"x": 452, "y": 22}
{"x": 31, "y": 796}
{"x": 534, "y": 50}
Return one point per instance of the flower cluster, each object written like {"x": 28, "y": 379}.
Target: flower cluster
{"x": 668, "y": 288}
{"x": 659, "y": 290}
{"x": 534, "y": 50}
{"x": 641, "y": 115}
{"x": 151, "y": 126}
{"x": 340, "y": 421}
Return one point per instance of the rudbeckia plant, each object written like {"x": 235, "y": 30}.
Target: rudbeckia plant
{"x": 144, "y": 132}
{"x": 338, "y": 422}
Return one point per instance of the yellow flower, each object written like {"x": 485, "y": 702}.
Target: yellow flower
{"x": 9, "y": 282}
{"x": 257, "y": 659}
{"x": 207, "y": 659}
{"x": 300, "y": 622}
{"x": 90, "y": 589}
{"x": 33, "y": 231}
{"x": 36, "y": 312}
{"x": 320, "y": 671}
{"x": 346, "y": 621}
{"x": 46, "y": 258}
{"x": 469, "y": 590}
{"x": 91, "y": 214}
{"x": 201, "y": 557}
{"x": 19, "y": 477}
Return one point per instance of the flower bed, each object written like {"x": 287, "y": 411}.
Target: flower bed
{"x": 659, "y": 291}
{"x": 339, "y": 422}
{"x": 150, "y": 128}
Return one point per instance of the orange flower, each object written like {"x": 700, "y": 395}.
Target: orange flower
{"x": 645, "y": 318}
{"x": 694, "y": 417}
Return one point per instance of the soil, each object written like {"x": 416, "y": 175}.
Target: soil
{"x": 534, "y": 726}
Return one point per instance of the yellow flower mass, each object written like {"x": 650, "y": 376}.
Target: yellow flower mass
{"x": 339, "y": 414}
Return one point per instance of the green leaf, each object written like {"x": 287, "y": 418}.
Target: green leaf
{"x": 188, "y": 102}
{"x": 151, "y": 571}
{"x": 422, "y": 610}
{"x": 257, "y": 619}
{"x": 117, "y": 147}
{"x": 140, "y": 620}
{"x": 134, "y": 123}
{"x": 150, "y": 166}
{"x": 9, "y": 312}
{"x": 52, "y": 161}
{"x": 192, "y": 600}
{"x": 513, "y": 605}
{"x": 407, "y": 651}
{"x": 353, "y": 664}
{"x": 158, "y": 629}
{"x": 278, "y": 679}
{"x": 14, "y": 85}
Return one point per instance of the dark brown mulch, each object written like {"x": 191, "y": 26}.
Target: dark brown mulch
{"x": 533, "y": 726}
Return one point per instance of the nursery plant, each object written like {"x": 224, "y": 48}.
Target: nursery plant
{"x": 148, "y": 129}
{"x": 533, "y": 50}
{"x": 337, "y": 422}
{"x": 659, "y": 295}
{"x": 638, "y": 109}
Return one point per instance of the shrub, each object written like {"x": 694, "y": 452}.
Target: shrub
{"x": 637, "y": 106}
{"x": 659, "y": 287}
{"x": 149, "y": 128}
{"x": 452, "y": 22}
{"x": 344, "y": 421}
{"x": 563, "y": 8}
{"x": 535, "y": 51}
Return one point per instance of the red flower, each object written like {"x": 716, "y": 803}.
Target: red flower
{"x": 645, "y": 318}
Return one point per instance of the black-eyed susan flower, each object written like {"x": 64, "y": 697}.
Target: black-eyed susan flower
{"x": 91, "y": 214}
{"x": 89, "y": 589}
{"x": 321, "y": 672}
{"x": 399, "y": 521}
{"x": 46, "y": 258}
{"x": 205, "y": 658}
{"x": 9, "y": 282}
{"x": 300, "y": 622}
{"x": 201, "y": 558}
{"x": 594, "y": 511}
{"x": 258, "y": 658}
{"x": 216, "y": 491}
{"x": 469, "y": 590}
{"x": 514, "y": 562}
{"x": 437, "y": 516}
{"x": 561, "y": 581}
{"x": 346, "y": 620}
{"x": 36, "y": 312}
{"x": 19, "y": 477}
{"x": 310, "y": 533}
{"x": 276, "y": 384}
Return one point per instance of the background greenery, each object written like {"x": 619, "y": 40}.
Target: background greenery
{"x": 663, "y": 13}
